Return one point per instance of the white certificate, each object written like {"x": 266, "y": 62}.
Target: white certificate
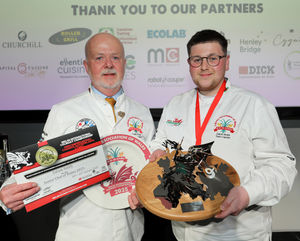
{"x": 60, "y": 166}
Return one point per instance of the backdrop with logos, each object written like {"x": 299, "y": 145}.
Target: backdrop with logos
{"x": 42, "y": 47}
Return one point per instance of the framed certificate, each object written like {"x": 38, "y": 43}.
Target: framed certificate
{"x": 60, "y": 166}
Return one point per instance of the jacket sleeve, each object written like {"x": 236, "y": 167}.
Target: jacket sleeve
{"x": 52, "y": 126}
{"x": 274, "y": 164}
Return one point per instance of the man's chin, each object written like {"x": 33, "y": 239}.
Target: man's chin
{"x": 108, "y": 86}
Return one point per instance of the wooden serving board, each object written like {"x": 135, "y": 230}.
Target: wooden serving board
{"x": 148, "y": 181}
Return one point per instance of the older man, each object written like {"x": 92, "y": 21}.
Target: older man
{"x": 82, "y": 218}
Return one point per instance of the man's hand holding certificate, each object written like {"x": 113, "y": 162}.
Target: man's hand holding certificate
{"x": 60, "y": 166}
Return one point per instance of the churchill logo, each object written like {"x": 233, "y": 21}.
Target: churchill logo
{"x": 70, "y": 36}
{"x": 21, "y": 43}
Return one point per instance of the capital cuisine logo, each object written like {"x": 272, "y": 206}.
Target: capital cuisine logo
{"x": 26, "y": 70}
{"x": 70, "y": 36}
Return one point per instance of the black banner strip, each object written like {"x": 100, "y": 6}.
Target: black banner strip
{"x": 59, "y": 165}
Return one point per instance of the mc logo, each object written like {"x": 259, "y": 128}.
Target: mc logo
{"x": 168, "y": 55}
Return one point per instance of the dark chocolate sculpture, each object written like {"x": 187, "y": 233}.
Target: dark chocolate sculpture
{"x": 181, "y": 178}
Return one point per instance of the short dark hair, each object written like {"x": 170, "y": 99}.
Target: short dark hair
{"x": 205, "y": 36}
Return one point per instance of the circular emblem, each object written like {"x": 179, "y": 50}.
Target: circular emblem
{"x": 46, "y": 155}
{"x": 84, "y": 123}
{"x": 22, "y": 35}
{"x": 292, "y": 65}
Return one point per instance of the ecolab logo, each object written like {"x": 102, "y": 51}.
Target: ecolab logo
{"x": 257, "y": 70}
{"x": 167, "y": 55}
{"x": 165, "y": 33}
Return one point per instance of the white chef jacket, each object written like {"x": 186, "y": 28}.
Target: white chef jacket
{"x": 248, "y": 135}
{"x": 81, "y": 217}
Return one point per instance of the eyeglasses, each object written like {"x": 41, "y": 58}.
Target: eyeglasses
{"x": 213, "y": 60}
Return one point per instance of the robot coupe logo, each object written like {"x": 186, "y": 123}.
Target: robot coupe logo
{"x": 22, "y": 36}
{"x": 168, "y": 55}
{"x": 70, "y": 36}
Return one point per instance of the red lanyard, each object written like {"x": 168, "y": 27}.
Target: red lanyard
{"x": 198, "y": 127}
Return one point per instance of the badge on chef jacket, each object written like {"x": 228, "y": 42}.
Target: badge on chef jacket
{"x": 225, "y": 126}
{"x": 84, "y": 123}
{"x": 174, "y": 122}
{"x": 135, "y": 126}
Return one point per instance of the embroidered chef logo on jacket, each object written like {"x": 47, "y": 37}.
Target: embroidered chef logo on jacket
{"x": 225, "y": 126}
{"x": 135, "y": 126}
{"x": 84, "y": 123}
{"x": 175, "y": 122}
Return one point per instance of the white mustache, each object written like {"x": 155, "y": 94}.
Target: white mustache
{"x": 108, "y": 71}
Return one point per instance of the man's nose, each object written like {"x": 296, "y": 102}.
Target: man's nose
{"x": 108, "y": 63}
{"x": 204, "y": 64}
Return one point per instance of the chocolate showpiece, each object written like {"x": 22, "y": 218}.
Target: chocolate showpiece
{"x": 186, "y": 185}
{"x": 192, "y": 175}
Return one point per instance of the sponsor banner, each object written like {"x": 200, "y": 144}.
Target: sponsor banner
{"x": 41, "y": 55}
